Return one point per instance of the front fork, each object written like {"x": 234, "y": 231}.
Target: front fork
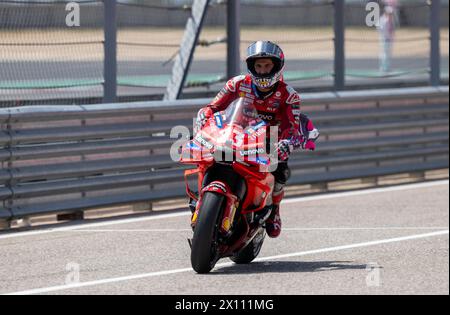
{"x": 229, "y": 212}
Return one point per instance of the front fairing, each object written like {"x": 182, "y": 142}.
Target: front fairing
{"x": 233, "y": 135}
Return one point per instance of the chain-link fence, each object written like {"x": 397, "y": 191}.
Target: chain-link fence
{"x": 304, "y": 30}
{"x": 149, "y": 37}
{"x": 46, "y": 59}
{"x": 444, "y": 49}
{"x": 394, "y": 48}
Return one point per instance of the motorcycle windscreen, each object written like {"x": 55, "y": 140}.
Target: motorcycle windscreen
{"x": 238, "y": 132}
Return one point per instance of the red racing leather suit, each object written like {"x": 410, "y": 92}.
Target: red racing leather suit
{"x": 281, "y": 107}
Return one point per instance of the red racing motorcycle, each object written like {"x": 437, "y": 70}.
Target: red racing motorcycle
{"x": 233, "y": 197}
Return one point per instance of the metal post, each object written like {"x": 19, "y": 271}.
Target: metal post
{"x": 184, "y": 58}
{"x": 233, "y": 38}
{"x": 9, "y": 201}
{"x": 339, "y": 44}
{"x": 435, "y": 55}
{"x": 110, "y": 46}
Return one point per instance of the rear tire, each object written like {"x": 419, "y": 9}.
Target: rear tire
{"x": 251, "y": 251}
{"x": 204, "y": 251}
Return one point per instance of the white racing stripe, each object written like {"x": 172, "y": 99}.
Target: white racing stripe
{"x": 134, "y": 231}
{"x": 94, "y": 225}
{"x": 186, "y": 213}
{"x": 382, "y": 228}
{"x": 176, "y": 271}
{"x": 299, "y": 229}
{"x": 366, "y": 192}
{"x": 357, "y": 245}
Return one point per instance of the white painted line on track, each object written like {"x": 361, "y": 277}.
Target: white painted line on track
{"x": 366, "y": 192}
{"x": 299, "y": 229}
{"x": 187, "y": 213}
{"x": 386, "y": 228}
{"x": 93, "y": 225}
{"x": 132, "y": 231}
{"x": 357, "y": 245}
{"x": 176, "y": 271}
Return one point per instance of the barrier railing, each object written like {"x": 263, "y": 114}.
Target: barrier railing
{"x": 75, "y": 158}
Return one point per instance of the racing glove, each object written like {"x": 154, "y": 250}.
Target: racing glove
{"x": 284, "y": 149}
{"x": 202, "y": 117}
{"x": 309, "y": 133}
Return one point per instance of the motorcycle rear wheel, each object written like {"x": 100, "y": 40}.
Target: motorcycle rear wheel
{"x": 251, "y": 251}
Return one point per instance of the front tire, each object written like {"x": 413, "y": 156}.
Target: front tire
{"x": 204, "y": 249}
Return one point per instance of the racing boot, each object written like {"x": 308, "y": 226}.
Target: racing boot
{"x": 273, "y": 223}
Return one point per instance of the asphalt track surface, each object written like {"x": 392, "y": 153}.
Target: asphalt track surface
{"x": 379, "y": 241}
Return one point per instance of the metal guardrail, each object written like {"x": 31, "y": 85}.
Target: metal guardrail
{"x": 74, "y": 158}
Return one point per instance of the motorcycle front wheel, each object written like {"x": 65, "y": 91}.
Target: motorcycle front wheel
{"x": 204, "y": 242}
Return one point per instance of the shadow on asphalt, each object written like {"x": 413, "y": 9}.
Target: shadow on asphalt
{"x": 289, "y": 266}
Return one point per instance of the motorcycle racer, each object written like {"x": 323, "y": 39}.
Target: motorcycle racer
{"x": 277, "y": 104}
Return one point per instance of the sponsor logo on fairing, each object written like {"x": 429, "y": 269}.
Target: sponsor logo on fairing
{"x": 252, "y": 152}
{"x": 257, "y": 130}
{"x": 191, "y": 145}
{"x": 217, "y": 186}
{"x": 256, "y": 134}
{"x": 204, "y": 142}
{"x": 262, "y": 161}
{"x": 219, "y": 121}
